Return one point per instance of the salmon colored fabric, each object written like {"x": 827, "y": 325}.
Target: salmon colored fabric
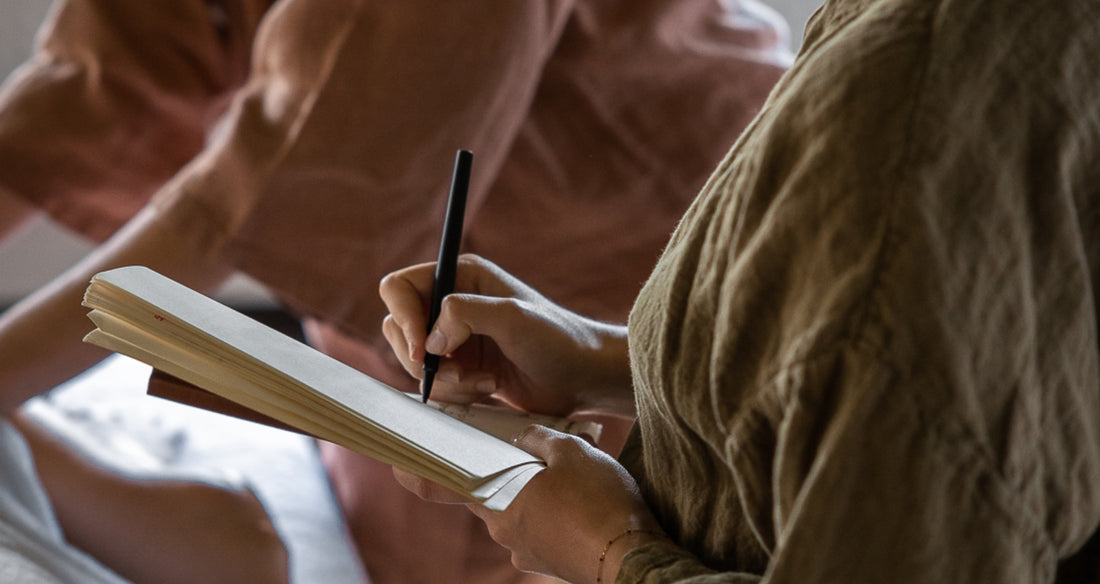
{"x": 316, "y": 140}
{"x": 115, "y": 99}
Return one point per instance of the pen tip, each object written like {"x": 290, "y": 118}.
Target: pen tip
{"x": 426, "y": 385}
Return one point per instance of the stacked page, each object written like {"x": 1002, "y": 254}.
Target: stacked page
{"x": 153, "y": 319}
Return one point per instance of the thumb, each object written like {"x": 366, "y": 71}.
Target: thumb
{"x": 464, "y": 315}
{"x": 544, "y": 443}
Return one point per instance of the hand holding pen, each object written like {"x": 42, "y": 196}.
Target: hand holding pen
{"x": 446, "y": 264}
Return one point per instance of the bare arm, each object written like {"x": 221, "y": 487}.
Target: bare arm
{"x": 102, "y": 116}
{"x": 41, "y": 336}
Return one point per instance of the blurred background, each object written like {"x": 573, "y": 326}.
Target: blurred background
{"x": 42, "y": 250}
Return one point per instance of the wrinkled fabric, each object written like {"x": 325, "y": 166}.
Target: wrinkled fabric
{"x": 32, "y": 547}
{"x": 317, "y": 158}
{"x": 869, "y": 352}
{"x": 115, "y": 99}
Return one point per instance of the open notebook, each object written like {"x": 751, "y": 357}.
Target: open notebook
{"x": 187, "y": 335}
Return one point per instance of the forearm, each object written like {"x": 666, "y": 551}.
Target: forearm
{"x": 41, "y": 336}
{"x": 40, "y": 343}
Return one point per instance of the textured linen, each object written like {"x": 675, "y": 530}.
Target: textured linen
{"x": 32, "y": 548}
{"x": 869, "y": 353}
{"x": 117, "y": 96}
{"x": 317, "y": 157}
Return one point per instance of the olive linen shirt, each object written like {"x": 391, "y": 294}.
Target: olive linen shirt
{"x": 310, "y": 144}
{"x": 869, "y": 353}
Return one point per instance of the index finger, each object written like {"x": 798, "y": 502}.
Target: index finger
{"x": 405, "y": 293}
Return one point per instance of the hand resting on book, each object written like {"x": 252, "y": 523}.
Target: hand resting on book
{"x": 566, "y": 514}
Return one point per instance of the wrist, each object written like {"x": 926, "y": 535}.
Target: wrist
{"x": 613, "y": 391}
{"x": 616, "y": 548}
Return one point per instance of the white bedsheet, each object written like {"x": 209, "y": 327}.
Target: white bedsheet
{"x": 106, "y": 413}
{"x": 32, "y": 548}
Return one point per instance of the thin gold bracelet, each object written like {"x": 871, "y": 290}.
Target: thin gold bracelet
{"x": 611, "y": 542}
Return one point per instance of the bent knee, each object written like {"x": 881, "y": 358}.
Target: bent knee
{"x": 248, "y": 548}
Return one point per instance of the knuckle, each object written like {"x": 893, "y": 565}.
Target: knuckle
{"x": 563, "y": 445}
{"x": 525, "y": 433}
{"x": 398, "y": 321}
{"x": 522, "y": 562}
{"x": 452, "y": 316}
{"x": 386, "y": 282}
{"x": 390, "y": 286}
{"x": 501, "y": 532}
{"x": 389, "y": 324}
{"x": 512, "y": 308}
{"x": 450, "y": 304}
{"x": 469, "y": 259}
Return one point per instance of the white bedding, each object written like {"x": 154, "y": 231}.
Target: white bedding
{"x": 32, "y": 547}
{"x": 106, "y": 413}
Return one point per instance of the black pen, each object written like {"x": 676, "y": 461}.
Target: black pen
{"x": 446, "y": 265}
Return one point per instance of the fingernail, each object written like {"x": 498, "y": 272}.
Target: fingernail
{"x": 516, "y": 437}
{"x": 435, "y": 343}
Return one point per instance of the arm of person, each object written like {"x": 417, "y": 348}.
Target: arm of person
{"x": 96, "y": 121}
{"x": 116, "y": 97}
{"x": 41, "y": 336}
{"x": 249, "y": 174}
{"x": 503, "y": 339}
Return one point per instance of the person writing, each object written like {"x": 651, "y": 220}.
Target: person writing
{"x": 500, "y": 334}
{"x": 308, "y": 144}
{"x": 867, "y": 354}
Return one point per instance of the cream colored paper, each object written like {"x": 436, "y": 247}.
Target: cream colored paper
{"x": 151, "y": 318}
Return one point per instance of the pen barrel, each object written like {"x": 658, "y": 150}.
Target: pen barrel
{"x": 446, "y": 264}
{"x": 431, "y": 366}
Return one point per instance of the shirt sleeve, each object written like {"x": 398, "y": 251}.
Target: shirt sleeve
{"x": 331, "y": 168}
{"x": 666, "y": 562}
{"x": 867, "y": 346}
{"x": 117, "y": 96}
{"x": 868, "y": 485}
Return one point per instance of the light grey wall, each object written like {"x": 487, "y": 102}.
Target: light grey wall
{"x": 18, "y": 21}
{"x": 796, "y": 12}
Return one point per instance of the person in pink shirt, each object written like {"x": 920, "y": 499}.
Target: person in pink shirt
{"x": 293, "y": 141}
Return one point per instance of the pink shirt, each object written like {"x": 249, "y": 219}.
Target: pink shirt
{"x": 323, "y": 163}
